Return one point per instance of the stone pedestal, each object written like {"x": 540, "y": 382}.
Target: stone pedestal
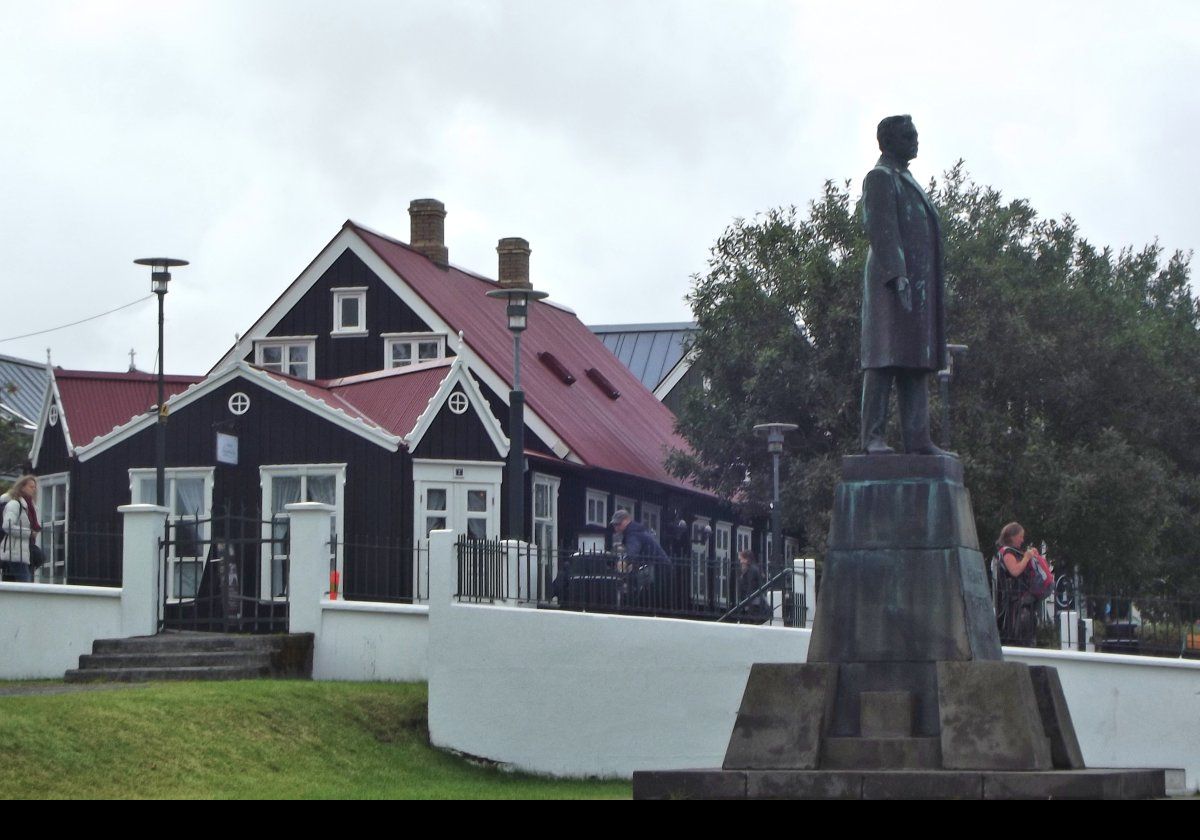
{"x": 905, "y": 693}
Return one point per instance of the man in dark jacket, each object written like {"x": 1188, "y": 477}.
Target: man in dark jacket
{"x": 639, "y": 543}
{"x": 903, "y": 312}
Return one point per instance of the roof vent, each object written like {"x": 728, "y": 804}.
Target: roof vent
{"x": 602, "y": 383}
{"x": 427, "y": 220}
{"x": 560, "y": 370}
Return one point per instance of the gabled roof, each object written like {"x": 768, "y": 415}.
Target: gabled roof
{"x": 23, "y": 387}
{"x": 91, "y": 404}
{"x": 580, "y": 422}
{"x": 406, "y": 400}
{"x": 652, "y": 351}
{"x": 311, "y": 395}
{"x": 388, "y": 408}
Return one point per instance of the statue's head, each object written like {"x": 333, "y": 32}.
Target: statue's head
{"x": 898, "y": 137}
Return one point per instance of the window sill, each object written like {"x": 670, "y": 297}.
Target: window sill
{"x": 349, "y": 334}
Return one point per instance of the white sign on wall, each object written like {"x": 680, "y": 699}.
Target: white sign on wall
{"x": 227, "y": 449}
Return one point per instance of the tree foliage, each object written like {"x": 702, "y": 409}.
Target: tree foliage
{"x": 1075, "y": 410}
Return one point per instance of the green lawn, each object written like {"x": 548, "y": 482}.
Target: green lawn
{"x": 254, "y": 739}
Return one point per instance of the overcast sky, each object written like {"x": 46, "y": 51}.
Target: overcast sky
{"x": 620, "y": 138}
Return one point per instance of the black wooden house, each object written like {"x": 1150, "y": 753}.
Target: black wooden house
{"x": 378, "y": 382}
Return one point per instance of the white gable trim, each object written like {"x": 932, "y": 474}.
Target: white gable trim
{"x": 348, "y": 239}
{"x": 258, "y": 377}
{"x": 458, "y": 374}
{"x": 52, "y": 397}
{"x": 677, "y": 373}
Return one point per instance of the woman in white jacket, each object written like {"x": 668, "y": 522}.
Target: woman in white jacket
{"x": 20, "y": 526}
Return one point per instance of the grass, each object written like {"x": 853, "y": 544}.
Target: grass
{"x": 253, "y": 739}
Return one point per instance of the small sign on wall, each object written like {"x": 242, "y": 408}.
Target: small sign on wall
{"x": 227, "y": 449}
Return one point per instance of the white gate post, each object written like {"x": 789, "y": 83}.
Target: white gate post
{"x": 142, "y": 587}
{"x": 308, "y": 564}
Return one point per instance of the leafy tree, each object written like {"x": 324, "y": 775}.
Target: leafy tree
{"x": 1074, "y": 411}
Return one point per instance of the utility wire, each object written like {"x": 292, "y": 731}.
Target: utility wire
{"x": 81, "y": 321}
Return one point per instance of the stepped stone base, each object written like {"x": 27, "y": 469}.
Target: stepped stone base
{"x": 905, "y": 694}
{"x": 196, "y": 656}
{"x": 1093, "y": 783}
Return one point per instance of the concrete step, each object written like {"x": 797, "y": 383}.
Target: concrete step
{"x": 182, "y": 659}
{"x": 197, "y": 656}
{"x": 149, "y": 674}
{"x": 881, "y": 754}
{"x": 174, "y": 642}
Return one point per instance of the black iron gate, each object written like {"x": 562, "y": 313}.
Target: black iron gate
{"x": 224, "y": 574}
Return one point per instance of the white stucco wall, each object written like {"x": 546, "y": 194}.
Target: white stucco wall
{"x": 368, "y": 641}
{"x": 44, "y": 628}
{"x": 575, "y": 694}
{"x": 1129, "y": 711}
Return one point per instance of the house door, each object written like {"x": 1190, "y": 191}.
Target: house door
{"x": 463, "y": 496}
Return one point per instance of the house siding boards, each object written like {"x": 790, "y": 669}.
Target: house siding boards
{"x": 348, "y": 354}
{"x": 457, "y": 437}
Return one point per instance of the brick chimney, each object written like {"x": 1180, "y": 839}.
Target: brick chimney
{"x": 427, "y": 217}
{"x": 514, "y": 263}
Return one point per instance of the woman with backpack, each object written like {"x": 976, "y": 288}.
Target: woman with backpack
{"x": 1018, "y": 622}
{"x": 21, "y": 527}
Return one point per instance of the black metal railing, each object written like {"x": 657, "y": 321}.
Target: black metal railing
{"x": 384, "y": 569}
{"x": 607, "y": 582}
{"x": 85, "y": 555}
{"x": 1108, "y": 620}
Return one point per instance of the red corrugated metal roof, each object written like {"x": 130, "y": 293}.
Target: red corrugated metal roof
{"x": 394, "y": 399}
{"x": 96, "y": 402}
{"x": 630, "y": 434}
{"x": 318, "y": 390}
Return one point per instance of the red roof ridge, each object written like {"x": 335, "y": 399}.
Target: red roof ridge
{"x": 126, "y": 376}
{"x": 416, "y": 367}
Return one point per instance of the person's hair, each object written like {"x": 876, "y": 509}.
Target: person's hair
{"x": 15, "y": 490}
{"x": 1008, "y": 532}
{"x": 747, "y": 553}
{"x": 887, "y": 127}
{"x": 621, "y": 514}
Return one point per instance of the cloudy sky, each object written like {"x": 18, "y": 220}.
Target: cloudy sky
{"x": 620, "y": 138}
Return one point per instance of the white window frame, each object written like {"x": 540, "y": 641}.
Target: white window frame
{"x": 286, "y": 343}
{"x": 723, "y": 537}
{"x": 626, "y": 503}
{"x": 600, "y": 498}
{"x": 266, "y": 476}
{"x": 700, "y": 559}
{"x": 390, "y": 340}
{"x": 547, "y": 523}
{"x": 172, "y": 581}
{"x": 791, "y": 549}
{"x": 745, "y": 538}
{"x": 344, "y": 293}
{"x": 652, "y": 517}
{"x": 52, "y": 526}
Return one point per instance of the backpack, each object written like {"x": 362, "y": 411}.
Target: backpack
{"x": 1037, "y": 580}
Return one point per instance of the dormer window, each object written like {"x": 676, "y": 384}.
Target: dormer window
{"x": 350, "y": 311}
{"x": 400, "y": 349}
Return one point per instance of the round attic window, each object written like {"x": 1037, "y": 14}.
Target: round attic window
{"x": 458, "y": 402}
{"x": 52, "y": 415}
{"x": 239, "y": 403}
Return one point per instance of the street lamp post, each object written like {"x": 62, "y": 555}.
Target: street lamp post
{"x": 518, "y": 317}
{"x": 160, "y": 276}
{"x": 775, "y": 433}
{"x": 944, "y": 376}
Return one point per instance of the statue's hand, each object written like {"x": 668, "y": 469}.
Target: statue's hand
{"x": 904, "y": 292}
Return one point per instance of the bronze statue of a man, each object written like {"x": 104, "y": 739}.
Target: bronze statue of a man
{"x": 903, "y": 313}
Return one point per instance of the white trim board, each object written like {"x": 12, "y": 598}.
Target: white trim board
{"x": 458, "y": 374}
